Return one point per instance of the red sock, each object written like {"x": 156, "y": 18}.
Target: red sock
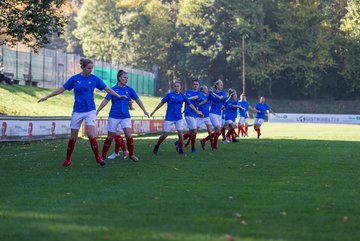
{"x": 181, "y": 143}
{"x": 233, "y": 133}
{"x": 258, "y": 132}
{"x": 193, "y": 141}
{"x": 119, "y": 143}
{"x": 70, "y": 149}
{"x": 95, "y": 148}
{"x": 160, "y": 140}
{"x": 242, "y": 130}
{"x": 186, "y": 135}
{"x": 209, "y": 137}
{"x": 215, "y": 143}
{"x": 228, "y": 133}
{"x": 246, "y": 129}
{"x": 239, "y": 130}
{"x": 107, "y": 144}
{"x": 130, "y": 145}
{"x": 223, "y": 133}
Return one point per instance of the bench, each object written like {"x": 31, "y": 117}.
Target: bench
{"x": 28, "y": 80}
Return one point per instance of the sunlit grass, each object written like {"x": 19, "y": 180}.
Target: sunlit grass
{"x": 299, "y": 182}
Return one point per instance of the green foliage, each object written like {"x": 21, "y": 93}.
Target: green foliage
{"x": 293, "y": 49}
{"x": 30, "y": 22}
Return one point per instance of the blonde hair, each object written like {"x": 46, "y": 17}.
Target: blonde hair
{"x": 216, "y": 83}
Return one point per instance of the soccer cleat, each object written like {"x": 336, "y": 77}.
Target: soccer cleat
{"x": 228, "y": 140}
{"x": 176, "y": 143}
{"x": 234, "y": 140}
{"x": 134, "y": 158}
{"x": 126, "y": 154}
{"x": 193, "y": 150}
{"x": 113, "y": 156}
{"x": 224, "y": 142}
{"x": 202, "y": 144}
{"x": 181, "y": 152}
{"x": 100, "y": 161}
{"x": 67, "y": 163}
{"x": 156, "y": 148}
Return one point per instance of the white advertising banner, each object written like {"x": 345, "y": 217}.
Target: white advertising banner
{"x": 315, "y": 118}
{"x": 28, "y": 129}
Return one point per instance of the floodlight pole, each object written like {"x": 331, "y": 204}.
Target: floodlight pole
{"x": 243, "y": 63}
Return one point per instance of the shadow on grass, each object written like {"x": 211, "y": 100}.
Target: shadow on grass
{"x": 278, "y": 189}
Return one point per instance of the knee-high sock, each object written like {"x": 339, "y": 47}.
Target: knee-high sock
{"x": 233, "y": 133}
{"x": 119, "y": 143}
{"x": 242, "y": 130}
{"x": 130, "y": 145}
{"x": 95, "y": 149}
{"x": 193, "y": 140}
{"x": 70, "y": 149}
{"x": 258, "y": 132}
{"x": 223, "y": 133}
{"x": 181, "y": 144}
{"x": 186, "y": 135}
{"x": 107, "y": 144}
{"x": 209, "y": 137}
{"x": 246, "y": 129}
{"x": 216, "y": 137}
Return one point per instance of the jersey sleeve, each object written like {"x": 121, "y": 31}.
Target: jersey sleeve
{"x": 133, "y": 94}
{"x": 100, "y": 84}
{"x": 166, "y": 98}
{"x": 69, "y": 84}
{"x": 186, "y": 100}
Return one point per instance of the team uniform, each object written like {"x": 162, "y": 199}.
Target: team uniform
{"x": 230, "y": 118}
{"x": 244, "y": 117}
{"x": 83, "y": 109}
{"x": 205, "y": 109}
{"x": 173, "y": 112}
{"x": 119, "y": 116}
{"x": 215, "y": 118}
{"x": 260, "y": 116}
{"x": 84, "y": 105}
{"x": 191, "y": 118}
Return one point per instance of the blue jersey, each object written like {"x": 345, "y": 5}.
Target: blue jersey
{"x": 120, "y": 107}
{"x": 216, "y": 104}
{"x": 263, "y": 108}
{"x": 188, "y": 110}
{"x": 206, "y": 107}
{"x": 244, "y": 104}
{"x": 230, "y": 111}
{"x": 84, "y": 91}
{"x": 174, "y": 105}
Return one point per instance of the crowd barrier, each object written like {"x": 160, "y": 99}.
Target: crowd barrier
{"x": 315, "y": 118}
{"x": 15, "y": 128}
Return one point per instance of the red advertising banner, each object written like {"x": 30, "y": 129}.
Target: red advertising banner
{"x": 142, "y": 126}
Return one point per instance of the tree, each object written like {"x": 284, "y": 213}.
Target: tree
{"x": 30, "y": 22}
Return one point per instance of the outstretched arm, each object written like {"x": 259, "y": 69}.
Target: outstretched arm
{"x": 156, "y": 108}
{"x": 113, "y": 93}
{"x": 203, "y": 103}
{"x": 52, "y": 94}
{"x": 199, "y": 113}
{"x": 102, "y": 105}
{"x": 139, "y": 102}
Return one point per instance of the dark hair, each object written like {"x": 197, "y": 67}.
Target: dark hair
{"x": 231, "y": 91}
{"x": 202, "y": 87}
{"x": 85, "y": 62}
{"x": 120, "y": 73}
{"x": 178, "y": 82}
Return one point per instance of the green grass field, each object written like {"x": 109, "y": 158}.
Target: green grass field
{"x": 300, "y": 182}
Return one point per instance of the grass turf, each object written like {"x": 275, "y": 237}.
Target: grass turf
{"x": 294, "y": 184}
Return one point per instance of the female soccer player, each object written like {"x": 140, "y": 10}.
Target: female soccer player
{"x": 119, "y": 114}
{"x": 174, "y": 100}
{"x": 231, "y": 107}
{"x": 244, "y": 116}
{"x": 84, "y": 85}
{"x": 191, "y": 116}
{"x": 261, "y": 108}
{"x": 205, "y": 108}
{"x": 216, "y": 98}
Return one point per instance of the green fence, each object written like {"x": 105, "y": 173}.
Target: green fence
{"x": 50, "y": 69}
